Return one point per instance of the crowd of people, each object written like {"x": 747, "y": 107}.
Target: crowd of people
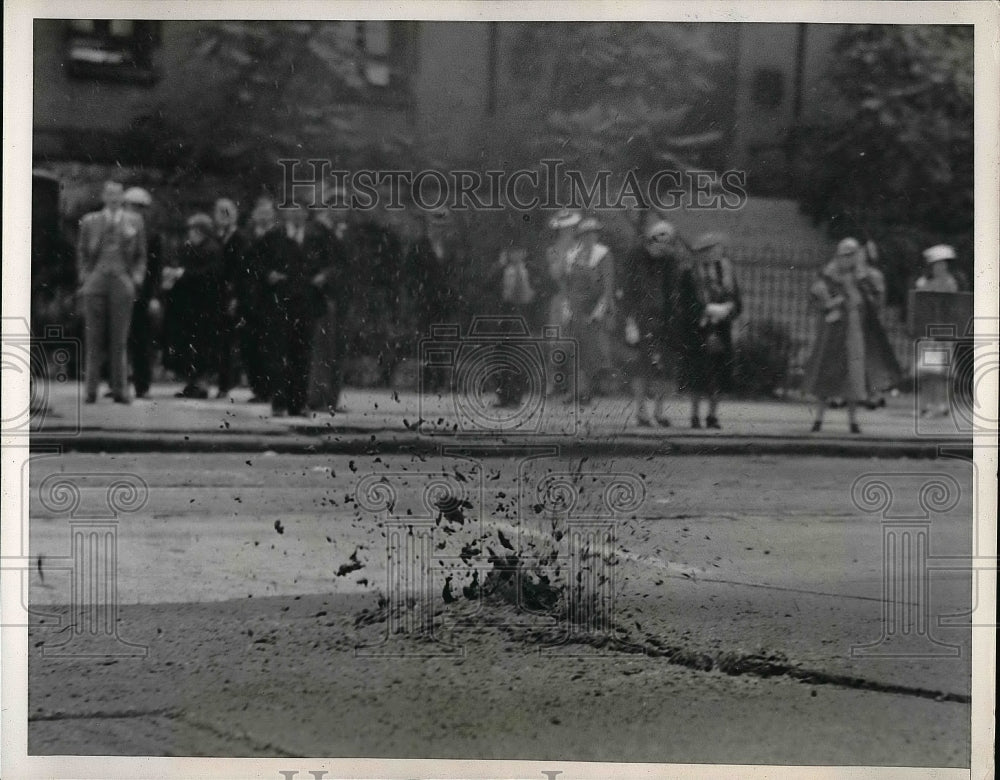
{"x": 269, "y": 300}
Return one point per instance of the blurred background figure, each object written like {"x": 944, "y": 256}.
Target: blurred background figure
{"x": 374, "y": 302}
{"x": 266, "y": 248}
{"x": 434, "y": 268}
{"x": 516, "y": 296}
{"x": 326, "y": 256}
{"x": 193, "y": 319}
{"x": 932, "y": 366}
{"x": 290, "y": 305}
{"x": 590, "y": 293}
{"x": 330, "y": 341}
{"x": 708, "y": 302}
{"x": 647, "y": 295}
{"x": 557, "y": 257}
{"x": 147, "y": 312}
{"x": 852, "y": 354}
{"x": 234, "y": 292}
{"x": 111, "y": 269}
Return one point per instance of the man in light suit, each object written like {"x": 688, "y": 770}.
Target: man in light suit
{"x": 111, "y": 266}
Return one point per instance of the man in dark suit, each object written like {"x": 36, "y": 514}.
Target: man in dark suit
{"x": 329, "y": 333}
{"x": 111, "y": 268}
{"x": 288, "y": 305}
{"x": 236, "y": 293}
{"x": 147, "y": 306}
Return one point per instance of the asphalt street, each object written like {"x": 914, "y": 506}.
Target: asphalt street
{"x": 735, "y": 593}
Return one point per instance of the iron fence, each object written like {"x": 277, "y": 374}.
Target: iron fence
{"x": 780, "y": 294}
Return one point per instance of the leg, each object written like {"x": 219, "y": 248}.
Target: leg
{"x": 122, "y": 300}
{"x": 226, "y": 346}
{"x": 276, "y": 361}
{"x": 140, "y": 348}
{"x": 95, "y": 325}
{"x": 299, "y": 342}
{"x": 820, "y": 411}
{"x": 695, "y": 410}
{"x": 712, "y": 420}
{"x": 639, "y": 399}
{"x": 250, "y": 350}
{"x": 852, "y": 416}
{"x": 659, "y": 404}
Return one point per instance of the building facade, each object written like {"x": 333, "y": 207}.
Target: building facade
{"x": 441, "y": 85}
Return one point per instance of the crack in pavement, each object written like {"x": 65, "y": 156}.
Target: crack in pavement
{"x": 265, "y": 747}
{"x": 737, "y": 664}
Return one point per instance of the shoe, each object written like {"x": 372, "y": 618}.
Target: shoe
{"x": 817, "y": 426}
{"x": 695, "y": 422}
{"x": 123, "y": 399}
{"x": 142, "y": 394}
{"x": 278, "y": 412}
{"x": 90, "y": 399}
{"x": 713, "y": 422}
{"x": 643, "y": 422}
{"x": 192, "y": 391}
{"x": 222, "y": 395}
{"x": 663, "y": 422}
{"x": 855, "y": 428}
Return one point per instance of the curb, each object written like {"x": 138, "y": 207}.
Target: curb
{"x": 385, "y": 442}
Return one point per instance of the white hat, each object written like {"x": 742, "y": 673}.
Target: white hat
{"x": 848, "y": 246}
{"x": 659, "y": 228}
{"x": 939, "y": 252}
{"x": 137, "y": 196}
{"x": 589, "y": 225}
{"x": 565, "y": 219}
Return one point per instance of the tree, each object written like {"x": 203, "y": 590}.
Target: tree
{"x": 620, "y": 96}
{"x": 294, "y": 90}
{"x": 899, "y": 165}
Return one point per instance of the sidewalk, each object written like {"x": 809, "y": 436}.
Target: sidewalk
{"x": 386, "y": 421}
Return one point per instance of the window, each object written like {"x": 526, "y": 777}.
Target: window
{"x": 113, "y": 49}
{"x": 375, "y": 47}
{"x": 376, "y": 52}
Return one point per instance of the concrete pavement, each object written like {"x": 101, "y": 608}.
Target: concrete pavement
{"x": 393, "y": 421}
{"x": 741, "y": 586}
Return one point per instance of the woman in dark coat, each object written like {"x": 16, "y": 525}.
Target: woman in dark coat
{"x": 852, "y": 355}
{"x": 647, "y": 297}
{"x": 708, "y": 302}
{"x": 193, "y": 318}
